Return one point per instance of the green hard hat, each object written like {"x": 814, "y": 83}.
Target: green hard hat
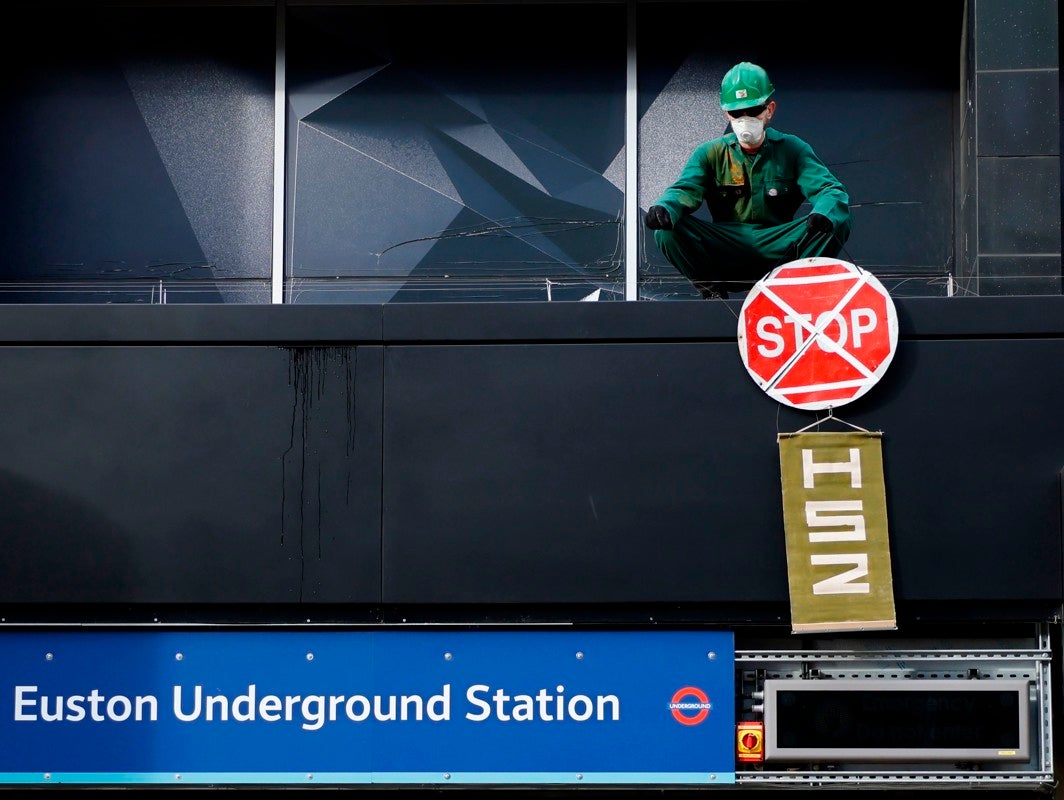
{"x": 745, "y": 85}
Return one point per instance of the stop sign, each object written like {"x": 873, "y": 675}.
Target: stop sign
{"x": 817, "y": 332}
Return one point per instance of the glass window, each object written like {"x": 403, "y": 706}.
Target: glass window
{"x": 883, "y": 124}
{"x": 455, "y": 152}
{"x": 138, "y": 159}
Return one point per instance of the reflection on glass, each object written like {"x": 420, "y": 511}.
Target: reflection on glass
{"x": 432, "y": 162}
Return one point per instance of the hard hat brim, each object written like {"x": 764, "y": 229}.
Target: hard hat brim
{"x": 747, "y": 102}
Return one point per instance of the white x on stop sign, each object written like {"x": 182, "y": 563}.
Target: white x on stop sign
{"x": 817, "y": 332}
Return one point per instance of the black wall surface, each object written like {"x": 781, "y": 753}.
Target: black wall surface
{"x": 499, "y": 454}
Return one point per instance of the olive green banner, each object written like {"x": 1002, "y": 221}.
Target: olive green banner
{"x": 835, "y": 521}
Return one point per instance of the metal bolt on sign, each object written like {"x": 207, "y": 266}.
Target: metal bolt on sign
{"x": 817, "y": 332}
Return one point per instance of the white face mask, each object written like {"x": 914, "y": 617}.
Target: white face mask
{"x": 749, "y": 130}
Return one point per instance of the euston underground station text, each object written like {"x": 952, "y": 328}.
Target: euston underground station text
{"x": 193, "y": 704}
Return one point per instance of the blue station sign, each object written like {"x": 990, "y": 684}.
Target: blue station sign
{"x": 386, "y": 706}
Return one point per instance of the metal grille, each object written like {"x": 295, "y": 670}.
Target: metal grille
{"x": 883, "y": 662}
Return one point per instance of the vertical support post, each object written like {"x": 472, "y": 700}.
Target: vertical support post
{"x": 279, "y": 144}
{"x": 631, "y": 168}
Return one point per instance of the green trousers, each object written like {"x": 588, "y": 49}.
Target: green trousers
{"x": 738, "y": 251}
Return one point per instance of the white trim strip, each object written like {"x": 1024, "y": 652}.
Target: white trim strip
{"x": 631, "y": 168}
{"x": 277, "y": 280}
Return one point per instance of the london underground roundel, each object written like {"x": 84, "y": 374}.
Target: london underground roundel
{"x": 817, "y": 333}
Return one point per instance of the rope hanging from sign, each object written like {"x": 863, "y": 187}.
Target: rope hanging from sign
{"x": 831, "y": 416}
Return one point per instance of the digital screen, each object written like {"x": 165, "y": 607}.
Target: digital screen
{"x": 899, "y": 720}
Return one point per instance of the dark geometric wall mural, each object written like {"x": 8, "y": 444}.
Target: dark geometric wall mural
{"x": 138, "y": 155}
{"x": 475, "y": 153}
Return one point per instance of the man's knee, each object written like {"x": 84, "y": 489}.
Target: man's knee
{"x": 665, "y": 239}
{"x": 673, "y": 246}
{"x": 842, "y": 231}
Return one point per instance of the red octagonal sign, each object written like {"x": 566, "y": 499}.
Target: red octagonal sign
{"x": 817, "y": 332}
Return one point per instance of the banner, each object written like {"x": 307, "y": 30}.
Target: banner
{"x": 371, "y": 707}
{"x": 835, "y": 522}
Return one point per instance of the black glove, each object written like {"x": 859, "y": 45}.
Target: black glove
{"x": 658, "y": 219}
{"x": 818, "y": 223}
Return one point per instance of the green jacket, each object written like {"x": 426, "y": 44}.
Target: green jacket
{"x": 765, "y": 189}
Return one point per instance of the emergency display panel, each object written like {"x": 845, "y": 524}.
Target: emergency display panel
{"x": 897, "y": 720}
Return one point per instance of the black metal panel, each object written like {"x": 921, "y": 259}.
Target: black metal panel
{"x": 1018, "y": 35}
{"x": 1014, "y": 216}
{"x": 980, "y": 317}
{"x": 972, "y": 446}
{"x": 196, "y": 474}
{"x": 557, "y": 322}
{"x": 499, "y": 454}
{"x": 918, "y": 318}
{"x": 1026, "y": 130}
{"x": 649, "y": 471}
{"x": 578, "y": 473}
{"x": 207, "y": 324}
